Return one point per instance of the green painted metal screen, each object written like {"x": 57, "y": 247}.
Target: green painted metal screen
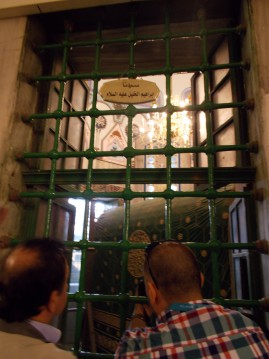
{"x": 212, "y": 184}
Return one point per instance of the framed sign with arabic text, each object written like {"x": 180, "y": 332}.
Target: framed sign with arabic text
{"x": 129, "y": 91}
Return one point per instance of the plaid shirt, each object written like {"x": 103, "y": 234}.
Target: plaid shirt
{"x": 208, "y": 331}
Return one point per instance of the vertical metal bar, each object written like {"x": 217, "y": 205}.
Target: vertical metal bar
{"x": 168, "y": 204}
{"x": 125, "y": 253}
{"x": 124, "y": 261}
{"x": 239, "y": 114}
{"x": 127, "y": 202}
{"x": 210, "y": 158}
{"x": 57, "y": 134}
{"x": 132, "y": 43}
{"x": 86, "y": 229}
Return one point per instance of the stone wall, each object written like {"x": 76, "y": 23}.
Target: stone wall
{"x": 256, "y": 49}
{"x": 19, "y": 98}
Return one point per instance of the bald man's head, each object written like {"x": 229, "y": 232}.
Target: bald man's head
{"x": 174, "y": 269}
{"x": 20, "y": 260}
{"x": 29, "y": 274}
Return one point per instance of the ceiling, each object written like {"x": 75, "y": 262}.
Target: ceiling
{"x": 14, "y": 8}
{"x": 149, "y": 19}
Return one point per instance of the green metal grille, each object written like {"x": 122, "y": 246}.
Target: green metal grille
{"x": 55, "y": 181}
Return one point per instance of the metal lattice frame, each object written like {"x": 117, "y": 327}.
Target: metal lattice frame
{"x": 211, "y": 175}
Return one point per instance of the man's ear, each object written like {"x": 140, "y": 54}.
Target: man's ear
{"x": 156, "y": 300}
{"x": 53, "y": 302}
{"x": 202, "y": 277}
{"x": 152, "y": 294}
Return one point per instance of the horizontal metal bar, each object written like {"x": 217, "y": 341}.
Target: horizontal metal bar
{"x": 198, "y": 175}
{"x": 129, "y": 194}
{"x": 135, "y": 73}
{"x": 135, "y": 39}
{"x": 125, "y": 298}
{"x": 132, "y": 152}
{"x": 128, "y": 246}
{"x": 82, "y": 354}
{"x": 133, "y": 111}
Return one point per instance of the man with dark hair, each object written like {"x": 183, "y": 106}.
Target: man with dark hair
{"x": 187, "y": 326}
{"x": 33, "y": 290}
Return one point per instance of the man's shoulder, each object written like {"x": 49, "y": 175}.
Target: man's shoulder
{"x": 21, "y": 346}
{"x": 53, "y": 352}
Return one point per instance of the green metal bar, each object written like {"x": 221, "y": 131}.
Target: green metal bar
{"x": 56, "y": 140}
{"x": 82, "y": 276}
{"x": 128, "y": 195}
{"x": 140, "y": 245}
{"x": 125, "y": 243}
{"x": 198, "y": 175}
{"x": 131, "y": 41}
{"x": 124, "y": 266}
{"x": 82, "y": 354}
{"x": 86, "y": 235}
{"x": 96, "y": 75}
{"x": 129, "y": 151}
{"x": 210, "y": 159}
{"x": 172, "y": 35}
{"x": 131, "y": 110}
{"x": 126, "y": 299}
{"x": 127, "y": 203}
{"x": 168, "y": 205}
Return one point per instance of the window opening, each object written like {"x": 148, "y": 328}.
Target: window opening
{"x": 94, "y": 151}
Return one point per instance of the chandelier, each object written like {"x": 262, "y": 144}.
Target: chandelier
{"x": 154, "y": 130}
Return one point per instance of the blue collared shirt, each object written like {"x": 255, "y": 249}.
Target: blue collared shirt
{"x": 50, "y": 333}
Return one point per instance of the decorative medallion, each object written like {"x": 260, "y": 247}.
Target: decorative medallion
{"x": 136, "y": 257}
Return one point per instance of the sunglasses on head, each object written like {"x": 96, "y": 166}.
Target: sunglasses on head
{"x": 148, "y": 251}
